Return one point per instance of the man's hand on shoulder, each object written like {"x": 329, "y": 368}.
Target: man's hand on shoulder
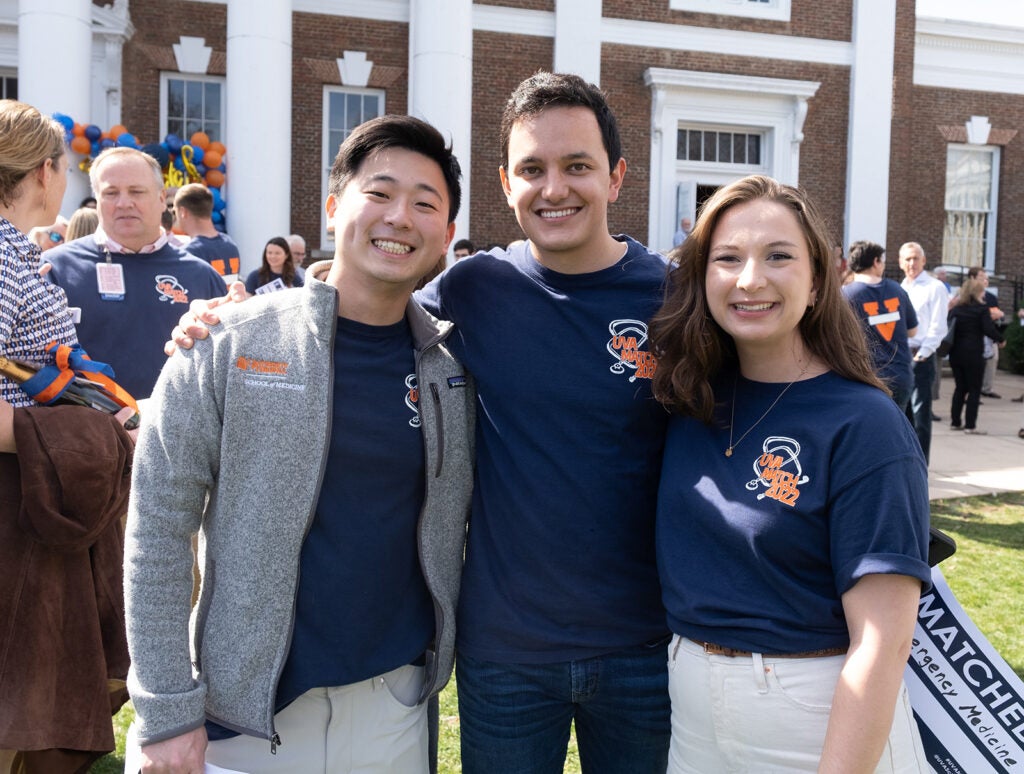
{"x": 185, "y": 754}
{"x": 194, "y": 324}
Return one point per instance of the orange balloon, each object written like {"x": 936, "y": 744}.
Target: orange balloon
{"x": 200, "y": 140}
{"x": 218, "y": 147}
{"x": 78, "y": 130}
{"x": 81, "y": 145}
{"x": 212, "y": 158}
{"x": 214, "y": 178}
{"x": 116, "y": 131}
{"x": 105, "y": 136}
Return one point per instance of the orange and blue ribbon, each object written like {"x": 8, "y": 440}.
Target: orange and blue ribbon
{"x": 51, "y": 381}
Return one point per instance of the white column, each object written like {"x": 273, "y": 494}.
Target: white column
{"x": 441, "y": 81}
{"x": 258, "y": 125}
{"x": 54, "y": 69}
{"x": 578, "y": 38}
{"x": 870, "y": 129}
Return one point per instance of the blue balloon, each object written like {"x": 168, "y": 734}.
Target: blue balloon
{"x": 64, "y": 120}
{"x": 201, "y": 169}
{"x": 216, "y": 217}
{"x": 223, "y": 167}
{"x": 218, "y": 200}
{"x": 93, "y": 132}
{"x": 197, "y": 154}
{"x": 95, "y": 150}
{"x": 106, "y": 142}
{"x": 174, "y": 143}
{"x": 159, "y": 152}
{"x": 179, "y": 163}
{"x": 127, "y": 140}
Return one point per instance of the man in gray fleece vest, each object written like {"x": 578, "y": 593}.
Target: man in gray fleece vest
{"x": 326, "y": 612}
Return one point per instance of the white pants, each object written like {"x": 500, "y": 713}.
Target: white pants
{"x": 369, "y": 727}
{"x": 763, "y": 714}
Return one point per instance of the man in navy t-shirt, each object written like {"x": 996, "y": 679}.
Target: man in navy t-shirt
{"x": 888, "y": 317}
{"x": 193, "y": 207}
{"x": 560, "y": 616}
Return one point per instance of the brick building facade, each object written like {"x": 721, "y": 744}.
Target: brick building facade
{"x": 865, "y": 105}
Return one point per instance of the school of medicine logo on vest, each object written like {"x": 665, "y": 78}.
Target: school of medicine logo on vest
{"x": 266, "y": 373}
{"x": 412, "y": 399}
{"x": 777, "y": 470}
{"x": 625, "y": 345}
{"x": 170, "y": 289}
{"x": 884, "y": 323}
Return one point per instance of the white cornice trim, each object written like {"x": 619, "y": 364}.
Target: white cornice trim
{"x": 976, "y": 31}
{"x": 973, "y": 57}
{"x": 679, "y": 37}
{"x": 625, "y": 32}
{"x": 514, "y": 21}
{"x": 696, "y": 79}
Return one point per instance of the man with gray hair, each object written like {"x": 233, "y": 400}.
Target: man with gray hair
{"x": 931, "y": 303}
{"x": 129, "y": 283}
{"x": 298, "y": 248}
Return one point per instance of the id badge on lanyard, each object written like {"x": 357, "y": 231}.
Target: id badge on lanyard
{"x": 110, "y": 280}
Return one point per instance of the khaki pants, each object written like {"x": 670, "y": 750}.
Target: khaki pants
{"x": 364, "y": 728}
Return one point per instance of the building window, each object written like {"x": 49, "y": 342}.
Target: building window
{"x": 192, "y": 104}
{"x": 718, "y": 147}
{"x": 776, "y": 10}
{"x": 8, "y": 87}
{"x": 344, "y": 110}
{"x": 972, "y": 175}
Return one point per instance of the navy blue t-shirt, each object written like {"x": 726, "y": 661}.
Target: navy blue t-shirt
{"x": 219, "y": 251}
{"x": 887, "y": 314}
{"x": 560, "y": 560}
{"x": 252, "y": 281}
{"x": 129, "y": 332}
{"x": 755, "y": 550}
{"x": 363, "y": 607}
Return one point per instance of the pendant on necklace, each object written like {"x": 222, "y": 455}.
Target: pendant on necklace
{"x": 728, "y": 452}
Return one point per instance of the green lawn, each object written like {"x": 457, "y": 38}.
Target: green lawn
{"x": 986, "y": 575}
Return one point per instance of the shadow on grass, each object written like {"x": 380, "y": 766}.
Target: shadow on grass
{"x": 989, "y": 520}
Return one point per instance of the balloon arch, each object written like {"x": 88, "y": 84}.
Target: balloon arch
{"x": 197, "y": 161}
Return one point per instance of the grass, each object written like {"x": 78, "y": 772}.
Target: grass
{"x": 986, "y": 574}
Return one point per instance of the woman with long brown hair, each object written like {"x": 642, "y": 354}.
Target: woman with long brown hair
{"x": 276, "y": 264}
{"x": 793, "y": 506}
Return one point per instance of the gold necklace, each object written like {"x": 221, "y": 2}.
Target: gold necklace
{"x": 732, "y": 415}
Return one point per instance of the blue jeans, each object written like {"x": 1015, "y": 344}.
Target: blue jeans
{"x": 920, "y": 409}
{"x": 515, "y": 718}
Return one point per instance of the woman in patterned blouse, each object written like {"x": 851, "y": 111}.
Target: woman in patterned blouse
{"x": 33, "y": 313}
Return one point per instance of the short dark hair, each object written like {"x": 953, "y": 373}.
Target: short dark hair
{"x": 196, "y": 198}
{"x": 394, "y": 131}
{"x": 863, "y": 255}
{"x": 974, "y": 271}
{"x": 545, "y": 90}
{"x": 464, "y": 244}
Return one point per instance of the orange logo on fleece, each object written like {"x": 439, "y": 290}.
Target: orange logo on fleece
{"x": 262, "y": 366}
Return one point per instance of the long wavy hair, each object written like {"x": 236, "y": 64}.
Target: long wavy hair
{"x": 692, "y": 349}
{"x": 287, "y": 271}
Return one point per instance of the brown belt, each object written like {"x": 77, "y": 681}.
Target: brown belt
{"x": 720, "y": 650}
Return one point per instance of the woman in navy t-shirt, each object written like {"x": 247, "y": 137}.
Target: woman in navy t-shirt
{"x": 793, "y": 505}
{"x": 277, "y": 264}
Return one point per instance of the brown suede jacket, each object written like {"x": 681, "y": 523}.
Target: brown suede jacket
{"x": 62, "y": 498}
